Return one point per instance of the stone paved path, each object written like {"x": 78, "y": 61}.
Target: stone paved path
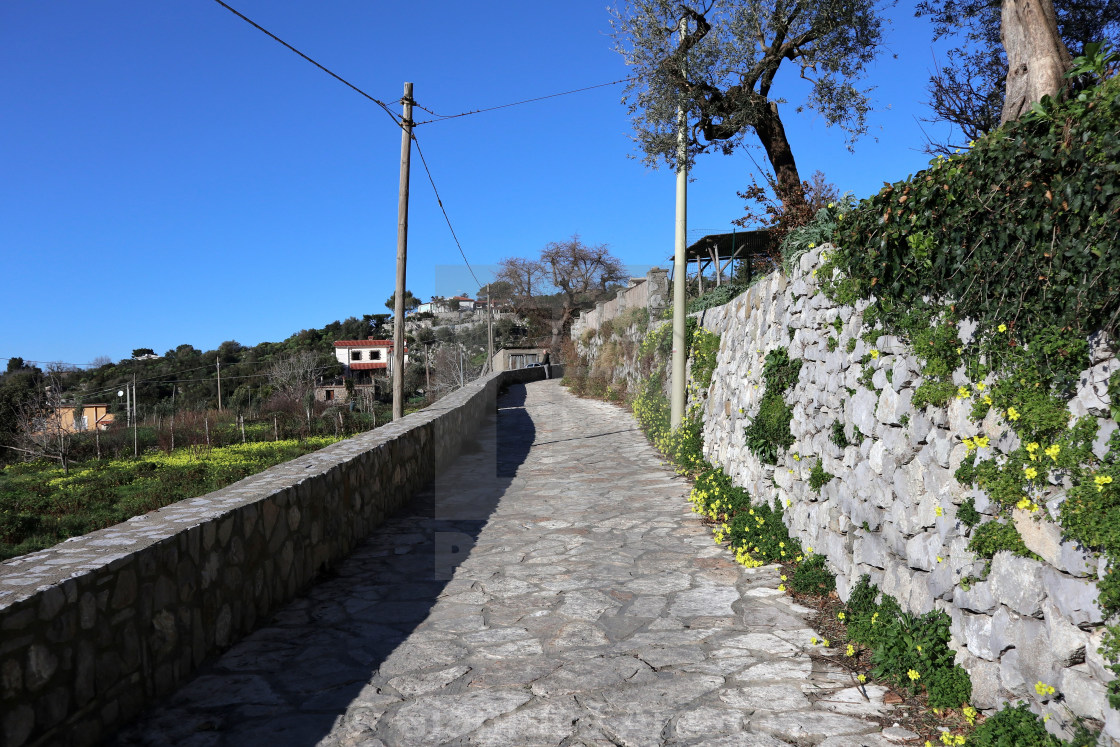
{"x": 557, "y": 592}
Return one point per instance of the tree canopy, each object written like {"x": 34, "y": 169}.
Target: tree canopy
{"x": 723, "y": 72}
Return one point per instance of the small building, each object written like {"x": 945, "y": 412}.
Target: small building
{"x": 91, "y": 417}
{"x": 368, "y": 364}
{"x": 511, "y": 359}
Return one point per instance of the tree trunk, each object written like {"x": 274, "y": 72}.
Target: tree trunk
{"x": 772, "y": 134}
{"x": 1037, "y": 59}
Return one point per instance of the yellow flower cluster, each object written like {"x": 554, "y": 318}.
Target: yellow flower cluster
{"x": 976, "y": 442}
{"x": 914, "y": 675}
{"x": 970, "y": 715}
{"x": 1101, "y": 480}
{"x": 1012, "y": 414}
{"x": 1043, "y": 689}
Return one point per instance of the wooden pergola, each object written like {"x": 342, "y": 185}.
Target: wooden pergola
{"x": 717, "y": 248}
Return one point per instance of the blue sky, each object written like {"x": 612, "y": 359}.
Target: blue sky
{"x": 174, "y": 176}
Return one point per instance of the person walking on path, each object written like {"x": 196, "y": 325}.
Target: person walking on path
{"x": 547, "y": 364}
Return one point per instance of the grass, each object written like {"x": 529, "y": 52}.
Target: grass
{"x": 40, "y": 507}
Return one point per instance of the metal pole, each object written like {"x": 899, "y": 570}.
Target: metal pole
{"x": 680, "y": 277}
{"x": 218, "y": 361}
{"x": 402, "y": 255}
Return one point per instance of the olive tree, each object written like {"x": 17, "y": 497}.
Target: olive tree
{"x": 723, "y": 73}
{"x": 968, "y": 90}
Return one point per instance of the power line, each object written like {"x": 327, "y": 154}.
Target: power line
{"x": 444, "y": 210}
{"x": 336, "y": 76}
{"x": 444, "y": 117}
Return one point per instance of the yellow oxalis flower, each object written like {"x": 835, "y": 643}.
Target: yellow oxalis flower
{"x": 1053, "y": 451}
{"x": 914, "y": 675}
{"x": 1101, "y": 481}
{"x": 938, "y": 511}
{"x": 1012, "y": 413}
{"x": 861, "y": 677}
{"x": 874, "y": 353}
{"x": 851, "y": 650}
{"x": 963, "y": 393}
{"x": 1030, "y": 472}
{"x": 1002, "y": 328}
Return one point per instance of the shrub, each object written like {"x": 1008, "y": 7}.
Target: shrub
{"x": 910, "y": 651}
{"x": 812, "y": 576}
{"x": 717, "y": 296}
{"x": 1013, "y": 726}
{"x": 818, "y": 477}
{"x": 769, "y": 430}
{"x": 705, "y": 348}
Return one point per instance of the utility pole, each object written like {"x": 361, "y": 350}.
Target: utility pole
{"x": 135, "y": 419}
{"x": 680, "y": 355}
{"x": 402, "y": 255}
{"x": 489, "y": 330}
{"x": 219, "y": 362}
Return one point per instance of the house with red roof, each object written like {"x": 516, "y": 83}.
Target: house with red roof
{"x": 366, "y": 363}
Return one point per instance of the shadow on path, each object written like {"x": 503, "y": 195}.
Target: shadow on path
{"x": 290, "y": 681}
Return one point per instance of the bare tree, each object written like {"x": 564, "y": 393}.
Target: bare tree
{"x": 292, "y": 376}
{"x": 723, "y": 72}
{"x": 43, "y": 431}
{"x": 569, "y": 276}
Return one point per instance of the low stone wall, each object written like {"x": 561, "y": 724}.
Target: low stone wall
{"x": 1026, "y": 621}
{"x": 100, "y": 626}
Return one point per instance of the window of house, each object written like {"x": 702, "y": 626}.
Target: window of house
{"x": 328, "y": 394}
{"x": 375, "y": 355}
{"x": 355, "y": 355}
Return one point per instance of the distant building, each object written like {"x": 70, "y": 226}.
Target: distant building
{"x": 91, "y": 417}
{"x": 368, "y": 364}
{"x": 511, "y": 359}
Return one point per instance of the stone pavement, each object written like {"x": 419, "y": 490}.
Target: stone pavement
{"x": 552, "y": 588}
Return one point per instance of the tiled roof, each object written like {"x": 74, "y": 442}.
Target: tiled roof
{"x": 363, "y": 343}
{"x": 369, "y": 366}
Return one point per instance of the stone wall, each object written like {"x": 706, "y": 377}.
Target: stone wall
{"x": 100, "y": 626}
{"x": 651, "y": 294}
{"x": 1027, "y": 621}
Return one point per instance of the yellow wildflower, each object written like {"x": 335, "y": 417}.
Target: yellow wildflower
{"x": 861, "y": 677}
{"x": 1030, "y": 472}
{"x": 851, "y": 650}
{"x": 980, "y": 386}
{"x": 1053, "y": 451}
{"x": 1002, "y": 328}
{"x": 1043, "y": 689}
{"x": 1101, "y": 481}
{"x": 813, "y": 641}
{"x": 914, "y": 675}
{"x": 938, "y": 511}
{"x": 874, "y": 353}
{"x": 1012, "y": 413}
{"x": 963, "y": 393}
{"x": 781, "y": 587}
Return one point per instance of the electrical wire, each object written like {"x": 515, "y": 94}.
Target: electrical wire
{"x": 396, "y": 118}
{"x": 444, "y": 210}
{"x": 444, "y": 117}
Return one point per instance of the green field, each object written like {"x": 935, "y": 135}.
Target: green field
{"x": 40, "y": 506}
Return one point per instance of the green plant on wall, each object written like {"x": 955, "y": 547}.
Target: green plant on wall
{"x": 769, "y": 430}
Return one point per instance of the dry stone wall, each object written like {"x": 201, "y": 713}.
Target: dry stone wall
{"x": 1026, "y": 621}
{"x": 98, "y": 627}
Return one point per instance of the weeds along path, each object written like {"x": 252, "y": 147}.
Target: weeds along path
{"x": 552, "y": 588}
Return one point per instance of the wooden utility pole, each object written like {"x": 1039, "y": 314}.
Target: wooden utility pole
{"x": 135, "y": 420}
{"x": 489, "y": 330}
{"x": 402, "y": 255}
{"x": 219, "y": 362}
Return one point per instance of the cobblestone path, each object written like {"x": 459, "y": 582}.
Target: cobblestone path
{"x": 552, "y": 588}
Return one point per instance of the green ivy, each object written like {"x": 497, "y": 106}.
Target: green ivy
{"x": 705, "y": 348}
{"x": 812, "y": 577}
{"x": 1033, "y": 204}
{"x": 769, "y": 430}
